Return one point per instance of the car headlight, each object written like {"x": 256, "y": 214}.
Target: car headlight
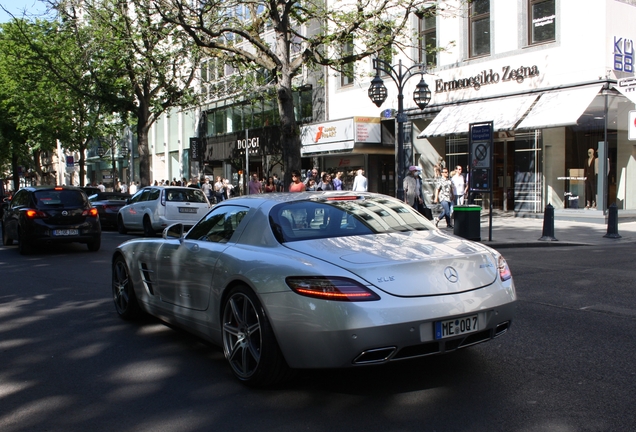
{"x": 330, "y": 288}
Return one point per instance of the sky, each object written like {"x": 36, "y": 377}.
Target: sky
{"x": 17, "y": 7}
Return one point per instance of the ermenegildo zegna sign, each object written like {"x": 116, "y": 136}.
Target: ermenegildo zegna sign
{"x": 487, "y": 77}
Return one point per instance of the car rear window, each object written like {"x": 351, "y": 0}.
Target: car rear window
{"x": 185, "y": 195}
{"x": 59, "y": 198}
{"x": 324, "y": 217}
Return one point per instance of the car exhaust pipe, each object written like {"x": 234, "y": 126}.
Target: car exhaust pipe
{"x": 377, "y": 355}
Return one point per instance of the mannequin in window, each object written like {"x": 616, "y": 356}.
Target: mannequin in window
{"x": 590, "y": 180}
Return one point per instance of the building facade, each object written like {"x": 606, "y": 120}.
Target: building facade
{"x": 553, "y": 77}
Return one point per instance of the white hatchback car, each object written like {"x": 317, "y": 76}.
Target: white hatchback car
{"x": 153, "y": 208}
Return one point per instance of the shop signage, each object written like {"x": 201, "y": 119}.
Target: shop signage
{"x": 249, "y": 143}
{"x": 487, "y": 77}
{"x": 623, "y": 54}
{"x": 340, "y": 134}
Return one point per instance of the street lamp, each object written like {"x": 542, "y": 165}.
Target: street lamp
{"x": 378, "y": 94}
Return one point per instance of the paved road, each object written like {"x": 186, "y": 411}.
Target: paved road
{"x": 68, "y": 363}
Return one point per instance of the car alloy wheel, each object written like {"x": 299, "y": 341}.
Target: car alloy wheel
{"x": 123, "y": 291}
{"x": 248, "y": 341}
{"x": 121, "y": 228}
{"x": 148, "y": 230}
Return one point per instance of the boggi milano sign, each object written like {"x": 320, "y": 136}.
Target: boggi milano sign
{"x": 487, "y": 77}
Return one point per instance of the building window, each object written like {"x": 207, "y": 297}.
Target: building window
{"x": 541, "y": 21}
{"x": 479, "y": 28}
{"x": 348, "y": 71}
{"x": 428, "y": 37}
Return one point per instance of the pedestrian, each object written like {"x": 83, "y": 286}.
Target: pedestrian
{"x": 133, "y": 188}
{"x": 444, "y": 196}
{"x": 123, "y": 187}
{"x": 270, "y": 186}
{"x": 337, "y": 181}
{"x": 296, "y": 185}
{"x": 229, "y": 188}
{"x": 255, "y": 186}
{"x": 459, "y": 186}
{"x": 359, "y": 182}
{"x": 311, "y": 185}
{"x": 277, "y": 183}
{"x": 207, "y": 189}
{"x": 219, "y": 190}
{"x": 101, "y": 187}
{"x": 413, "y": 189}
{"x": 312, "y": 174}
{"x": 325, "y": 183}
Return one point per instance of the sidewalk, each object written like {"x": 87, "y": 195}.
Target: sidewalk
{"x": 510, "y": 231}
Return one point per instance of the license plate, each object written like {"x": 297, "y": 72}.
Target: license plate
{"x": 456, "y": 327}
{"x": 65, "y": 232}
{"x": 187, "y": 210}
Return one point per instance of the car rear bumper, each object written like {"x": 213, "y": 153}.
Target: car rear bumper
{"x": 326, "y": 334}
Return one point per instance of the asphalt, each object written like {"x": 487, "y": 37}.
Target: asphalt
{"x": 508, "y": 230}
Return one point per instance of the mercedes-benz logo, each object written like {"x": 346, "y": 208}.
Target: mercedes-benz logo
{"x": 64, "y": 213}
{"x": 451, "y": 274}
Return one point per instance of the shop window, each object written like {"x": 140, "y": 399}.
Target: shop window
{"x": 428, "y": 37}
{"x": 348, "y": 71}
{"x": 541, "y": 21}
{"x": 479, "y": 28}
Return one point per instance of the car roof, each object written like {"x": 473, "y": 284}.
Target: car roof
{"x": 51, "y": 187}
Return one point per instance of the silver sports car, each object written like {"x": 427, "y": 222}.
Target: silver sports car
{"x": 316, "y": 280}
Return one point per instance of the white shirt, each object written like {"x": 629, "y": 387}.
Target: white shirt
{"x": 359, "y": 183}
{"x": 459, "y": 185}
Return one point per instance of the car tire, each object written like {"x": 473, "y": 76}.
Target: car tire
{"x": 94, "y": 245}
{"x": 148, "y": 230}
{"x": 24, "y": 246}
{"x": 6, "y": 240}
{"x": 121, "y": 228}
{"x": 249, "y": 343}
{"x": 124, "y": 295}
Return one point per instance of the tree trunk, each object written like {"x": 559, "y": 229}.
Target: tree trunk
{"x": 290, "y": 133}
{"x": 143, "y": 125}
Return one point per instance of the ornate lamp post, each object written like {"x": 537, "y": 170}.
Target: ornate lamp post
{"x": 378, "y": 94}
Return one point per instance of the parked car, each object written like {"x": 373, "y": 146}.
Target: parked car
{"x": 90, "y": 190}
{"x": 50, "y": 214}
{"x": 153, "y": 208}
{"x": 108, "y": 205}
{"x": 317, "y": 280}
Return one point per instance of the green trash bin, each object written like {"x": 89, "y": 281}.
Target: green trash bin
{"x": 467, "y": 222}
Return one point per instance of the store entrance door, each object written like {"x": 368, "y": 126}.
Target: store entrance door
{"x": 503, "y": 187}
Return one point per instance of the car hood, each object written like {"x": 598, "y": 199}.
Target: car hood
{"x": 421, "y": 263}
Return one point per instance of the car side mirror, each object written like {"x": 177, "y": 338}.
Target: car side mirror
{"x": 174, "y": 231}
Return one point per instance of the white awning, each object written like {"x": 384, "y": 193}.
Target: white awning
{"x": 559, "y": 108}
{"x": 504, "y": 113}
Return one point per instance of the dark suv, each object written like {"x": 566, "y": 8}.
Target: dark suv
{"x": 50, "y": 214}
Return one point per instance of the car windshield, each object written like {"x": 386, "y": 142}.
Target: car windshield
{"x": 64, "y": 197}
{"x": 186, "y": 194}
{"x": 340, "y": 216}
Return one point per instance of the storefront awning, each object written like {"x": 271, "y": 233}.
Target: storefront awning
{"x": 559, "y": 108}
{"x": 504, "y": 113}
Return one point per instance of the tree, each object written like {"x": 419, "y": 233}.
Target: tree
{"x": 305, "y": 34}
{"x": 139, "y": 63}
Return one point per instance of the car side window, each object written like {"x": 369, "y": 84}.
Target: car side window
{"x": 144, "y": 195}
{"x": 20, "y": 199}
{"x": 153, "y": 195}
{"x": 137, "y": 197}
{"x": 219, "y": 225}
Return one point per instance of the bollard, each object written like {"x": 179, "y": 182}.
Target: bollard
{"x": 548, "y": 224}
{"x": 612, "y": 222}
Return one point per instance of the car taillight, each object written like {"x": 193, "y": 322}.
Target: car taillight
{"x": 34, "y": 214}
{"x": 163, "y": 198}
{"x": 330, "y": 288}
{"x": 504, "y": 270}
{"x": 91, "y": 212}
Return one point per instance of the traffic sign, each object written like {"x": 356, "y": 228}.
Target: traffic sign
{"x": 631, "y": 125}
